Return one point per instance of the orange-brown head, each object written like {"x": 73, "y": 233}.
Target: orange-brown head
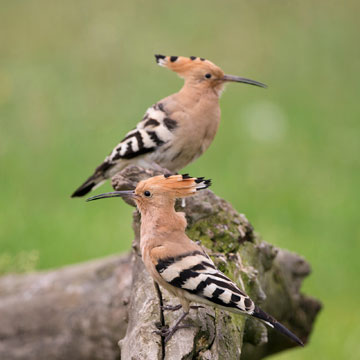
{"x": 160, "y": 190}
{"x": 200, "y": 71}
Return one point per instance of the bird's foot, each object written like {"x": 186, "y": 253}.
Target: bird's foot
{"x": 167, "y": 333}
{"x": 178, "y": 307}
{"x": 171, "y": 308}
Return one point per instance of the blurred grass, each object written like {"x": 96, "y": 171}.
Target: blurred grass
{"x": 75, "y": 76}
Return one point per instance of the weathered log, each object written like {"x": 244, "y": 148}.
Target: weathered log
{"x": 81, "y": 311}
{"x": 77, "y": 312}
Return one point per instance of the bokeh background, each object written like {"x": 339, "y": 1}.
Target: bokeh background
{"x": 76, "y": 75}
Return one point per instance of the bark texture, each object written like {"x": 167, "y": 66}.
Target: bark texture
{"x": 77, "y": 312}
{"x": 81, "y": 311}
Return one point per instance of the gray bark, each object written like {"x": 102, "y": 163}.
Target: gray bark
{"x": 81, "y": 311}
{"x": 77, "y": 312}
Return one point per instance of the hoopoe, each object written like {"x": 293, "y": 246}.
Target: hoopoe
{"x": 177, "y": 129}
{"x": 176, "y": 262}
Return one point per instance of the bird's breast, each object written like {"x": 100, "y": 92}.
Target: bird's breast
{"x": 195, "y": 131}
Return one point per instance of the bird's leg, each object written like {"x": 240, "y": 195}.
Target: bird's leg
{"x": 176, "y": 327}
{"x": 168, "y": 333}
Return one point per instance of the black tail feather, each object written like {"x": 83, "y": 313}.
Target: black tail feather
{"x": 262, "y": 315}
{"x": 84, "y": 189}
{"x": 95, "y": 179}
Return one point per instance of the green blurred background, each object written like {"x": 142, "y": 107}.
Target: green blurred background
{"x": 76, "y": 75}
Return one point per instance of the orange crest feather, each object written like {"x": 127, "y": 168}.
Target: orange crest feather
{"x": 176, "y": 186}
{"x": 186, "y": 65}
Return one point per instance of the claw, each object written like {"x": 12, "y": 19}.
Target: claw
{"x": 171, "y": 308}
{"x": 178, "y": 307}
{"x": 163, "y": 331}
{"x": 168, "y": 333}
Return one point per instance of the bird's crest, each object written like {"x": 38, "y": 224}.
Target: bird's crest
{"x": 176, "y": 186}
{"x": 186, "y": 65}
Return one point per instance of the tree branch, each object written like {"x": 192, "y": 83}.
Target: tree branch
{"x": 77, "y": 312}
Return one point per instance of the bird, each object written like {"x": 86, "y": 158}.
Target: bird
{"x": 179, "y": 264}
{"x": 177, "y": 129}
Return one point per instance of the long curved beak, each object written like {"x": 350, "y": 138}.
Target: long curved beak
{"x": 124, "y": 193}
{"x": 243, "y": 80}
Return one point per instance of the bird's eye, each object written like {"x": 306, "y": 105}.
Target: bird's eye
{"x": 208, "y": 76}
{"x": 147, "y": 193}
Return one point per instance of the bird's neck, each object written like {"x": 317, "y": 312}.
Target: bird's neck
{"x": 191, "y": 93}
{"x": 159, "y": 223}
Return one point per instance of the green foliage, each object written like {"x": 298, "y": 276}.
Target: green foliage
{"x": 75, "y": 76}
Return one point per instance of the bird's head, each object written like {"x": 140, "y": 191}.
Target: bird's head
{"x": 201, "y": 72}
{"x": 160, "y": 190}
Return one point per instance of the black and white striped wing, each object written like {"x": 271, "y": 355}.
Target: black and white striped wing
{"x": 195, "y": 273}
{"x": 155, "y": 130}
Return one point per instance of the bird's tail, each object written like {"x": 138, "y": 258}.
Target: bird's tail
{"x": 270, "y": 321}
{"x": 90, "y": 184}
{"x": 95, "y": 180}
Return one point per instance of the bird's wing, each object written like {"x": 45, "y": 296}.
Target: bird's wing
{"x": 155, "y": 130}
{"x": 196, "y": 273}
